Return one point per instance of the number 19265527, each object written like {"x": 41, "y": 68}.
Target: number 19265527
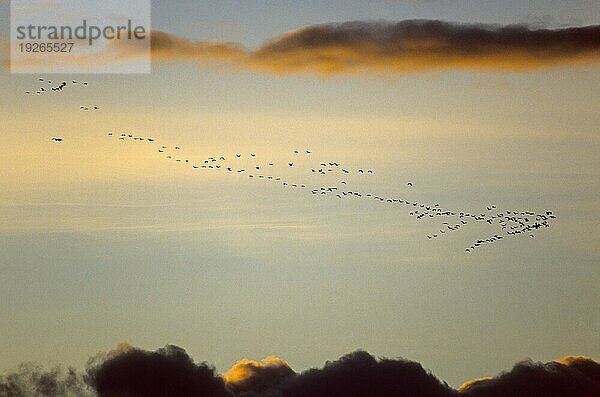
{"x": 46, "y": 47}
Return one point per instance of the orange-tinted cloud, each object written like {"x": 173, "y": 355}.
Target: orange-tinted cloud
{"x": 395, "y": 48}
{"x": 574, "y": 360}
{"x": 472, "y": 383}
{"x": 257, "y": 376}
{"x": 167, "y": 47}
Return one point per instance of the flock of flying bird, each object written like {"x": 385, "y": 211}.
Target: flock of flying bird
{"x": 509, "y": 223}
{"x": 53, "y": 87}
{"x": 58, "y": 89}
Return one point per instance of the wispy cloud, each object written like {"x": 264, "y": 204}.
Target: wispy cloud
{"x": 168, "y": 47}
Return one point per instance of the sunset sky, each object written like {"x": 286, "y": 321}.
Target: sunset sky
{"x": 103, "y": 241}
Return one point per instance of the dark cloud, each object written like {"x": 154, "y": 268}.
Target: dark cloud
{"x": 585, "y": 365}
{"x": 395, "y": 47}
{"x": 361, "y": 375}
{"x": 169, "y": 371}
{"x": 571, "y": 376}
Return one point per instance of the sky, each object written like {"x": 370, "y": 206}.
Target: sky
{"x": 103, "y": 242}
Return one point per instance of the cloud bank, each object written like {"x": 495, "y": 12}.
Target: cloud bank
{"x": 374, "y": 47}
{"x": 170, "y": 371}
{"x": 394, "y": 48}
